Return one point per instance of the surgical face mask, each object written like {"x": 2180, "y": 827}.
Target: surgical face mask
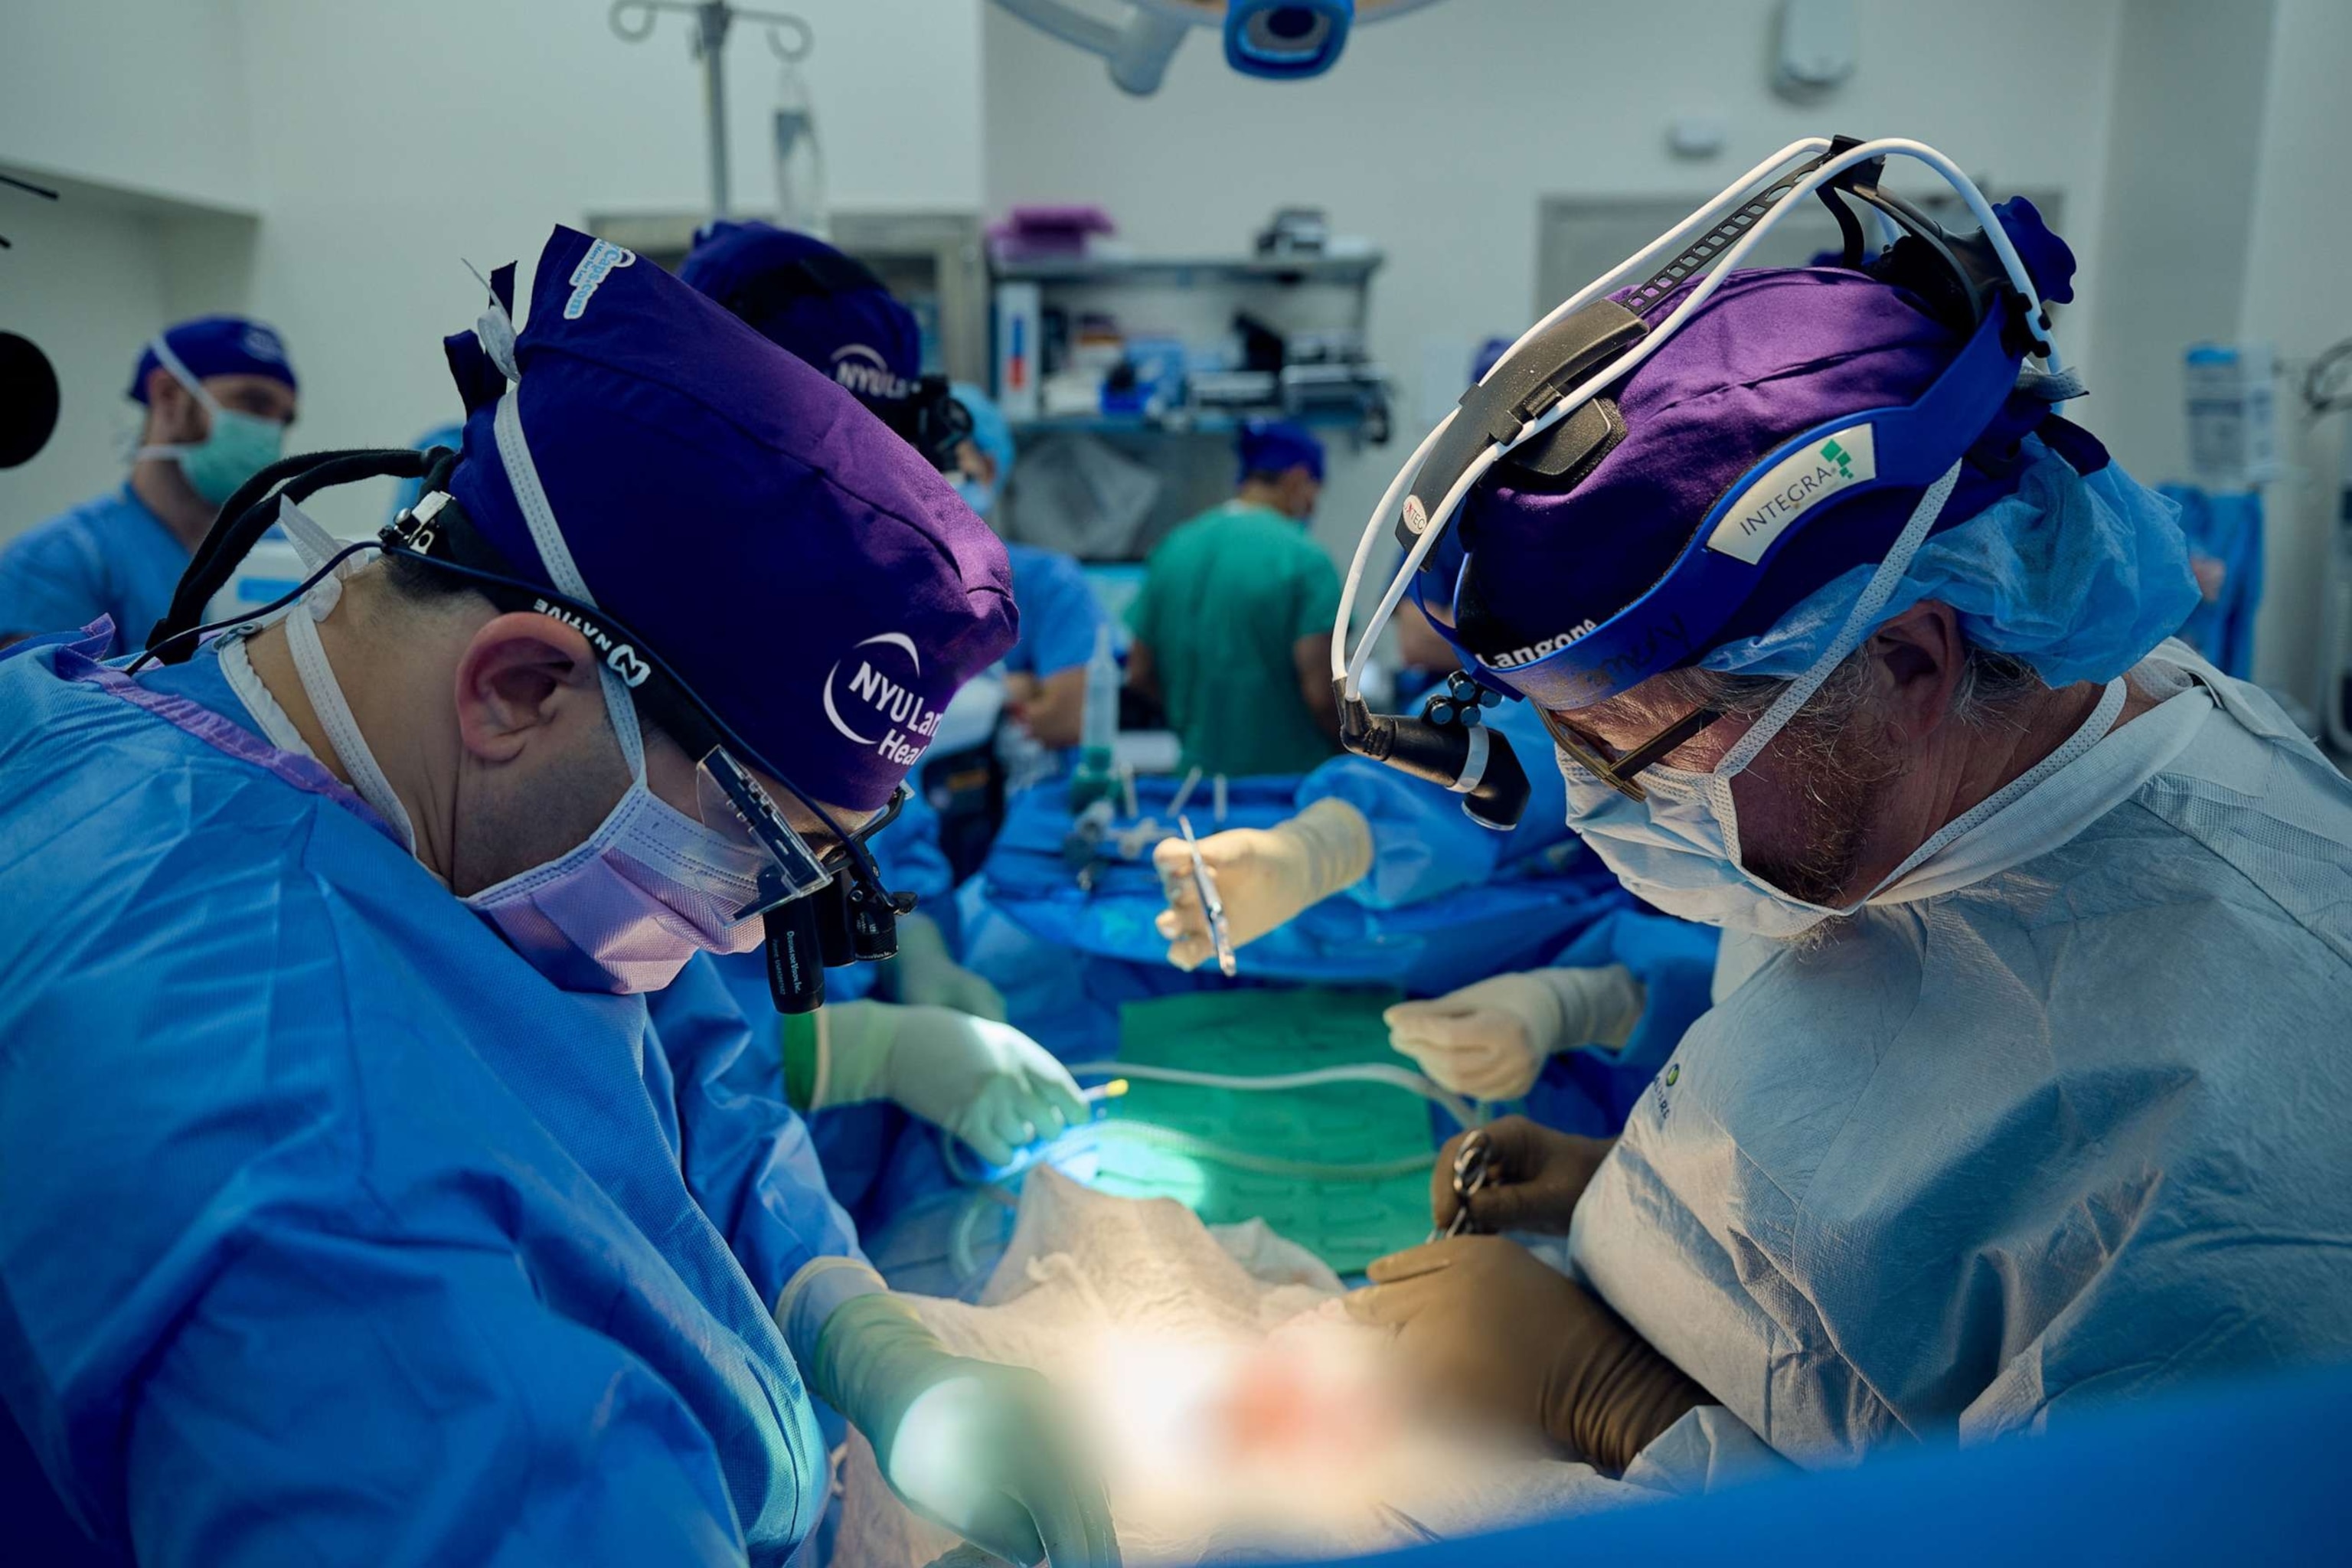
{"x": 624, "y": 909}
{"x": 978, "y": 494}
{"x": 620, "y": 912}
{"x": 236, "y": 446}
{"x": 1679, "y": 848}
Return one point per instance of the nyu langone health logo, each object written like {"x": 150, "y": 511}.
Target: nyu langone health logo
{"x": 862, "y": 370}
{"x": 1792, "y": 486}
{"x": 882, "y": 701}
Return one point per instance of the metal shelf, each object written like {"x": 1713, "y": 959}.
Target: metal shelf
{"x": 1184, "y": 272}
{"x": 1183, "y": 422}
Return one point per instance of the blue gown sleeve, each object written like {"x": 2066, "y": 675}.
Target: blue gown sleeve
{"x": 368, "y": 1394}
{"x": 909, "y": 855}
{"x": 1422, "y": 842}
{"x": 1674, "y": 960}
{"x": 54, "y": 578}
{"x": 747, "y": 1156}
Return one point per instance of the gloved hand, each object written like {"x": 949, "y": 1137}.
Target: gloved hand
{"x": 1266, "y": 878}
{"x": 986, "y": 1082}
{"x": 1490, "y": 1039}
{"x": 1501, "y": 1336}
{"x": 924, "y": 975}
{"x": 981, "y": 1449}
{"x": 1533, "y": 1183}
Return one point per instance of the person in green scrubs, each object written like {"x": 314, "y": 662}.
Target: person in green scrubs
{"x": 1233, "y": 628}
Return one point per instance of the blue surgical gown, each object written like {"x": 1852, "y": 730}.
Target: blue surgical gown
{"x": 855, "y": 1143}
{"x": 109, "y": 556}
{"x": 2072, "y": 1131}
{"x": 333, "y": 1231}
{"x": 1059, "y": 613}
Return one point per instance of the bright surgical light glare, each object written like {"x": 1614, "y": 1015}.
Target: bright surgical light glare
{"x": 1294, "y": 1437}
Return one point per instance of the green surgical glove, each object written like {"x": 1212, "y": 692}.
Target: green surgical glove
{"x": 923, "y": 973}
{"x": 986, "y": 1082}
{"x": 981, "y": 1449}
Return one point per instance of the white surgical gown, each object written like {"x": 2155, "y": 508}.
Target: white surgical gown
{"x": 2077, "y": 1131}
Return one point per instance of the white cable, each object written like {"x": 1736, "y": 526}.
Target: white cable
{"x": 1404, "y": 1079}
{"x": 1634, "y": 357}
{"x": 1643, "y": 262}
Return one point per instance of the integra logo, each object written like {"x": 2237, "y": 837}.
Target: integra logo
{"x": 862, "y": 370}
{"x": 897, "y": 710}
{"x": 1534, "y": 652}
{"x": 1762, "y": 512}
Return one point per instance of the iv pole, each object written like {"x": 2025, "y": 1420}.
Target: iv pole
{"x": 633, "y": 21}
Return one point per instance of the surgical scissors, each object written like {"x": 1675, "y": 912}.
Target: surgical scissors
{"x": 1474, "y": 1170}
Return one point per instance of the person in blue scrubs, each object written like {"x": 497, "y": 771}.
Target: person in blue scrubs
{"x": 1045, "y": 673}
{"x": 361, "y": 1208}
{"x": 219, "y": 394}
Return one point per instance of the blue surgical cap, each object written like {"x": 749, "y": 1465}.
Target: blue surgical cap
{"x": 1278, "y": 445}
{"x": 2079, "y": 575}
{"x": 990, "y": 433}
{"x": 218, "y": 345}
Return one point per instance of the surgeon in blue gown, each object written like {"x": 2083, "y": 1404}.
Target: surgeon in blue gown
{"x": 359, "y": 1208}
{"x": 216, "y": 395}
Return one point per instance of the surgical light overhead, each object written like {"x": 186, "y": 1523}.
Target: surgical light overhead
{"x": 1278, "y": 39}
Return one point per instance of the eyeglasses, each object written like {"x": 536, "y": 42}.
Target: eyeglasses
{"x": 1599, "y": 759}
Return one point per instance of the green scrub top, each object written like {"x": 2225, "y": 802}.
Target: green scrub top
{"x": 1224, "y": 599}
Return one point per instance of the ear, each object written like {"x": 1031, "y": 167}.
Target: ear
{"x": 1920, "y": 654}
{"x": 518, "y": 677}
{"x": 171, "y": 415}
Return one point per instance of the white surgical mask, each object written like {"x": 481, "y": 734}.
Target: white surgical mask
{"x": 1680, "y": 847}
{"x": 624, "y": 909}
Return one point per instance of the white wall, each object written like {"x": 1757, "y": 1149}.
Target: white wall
{"x": 2296, "y": 297}
{"x": 84, "y": 281}
{"x": 2179, "y": 202}
{"x": 1438, "y": 133}
{"x": 143, "y": 96}
{"x": 386, "y": 142}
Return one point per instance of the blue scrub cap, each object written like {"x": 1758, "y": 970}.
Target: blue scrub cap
{"x": 989, "y": 432}
{"x": 218, "y": 345}
{"x": 2078, "y": 576}
{"x": 1275, "y": 446}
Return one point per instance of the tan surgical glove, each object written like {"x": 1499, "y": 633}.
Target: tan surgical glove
{"x": 1489, "y": 1040}
{"x": 1266, "y": 878}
